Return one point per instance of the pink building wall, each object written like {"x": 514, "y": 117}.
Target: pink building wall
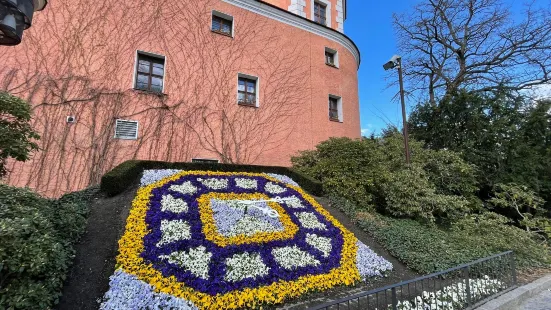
{"x": 78, "y": 59}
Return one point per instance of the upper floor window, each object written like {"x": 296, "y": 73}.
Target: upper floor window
{"x": 320, "y": 13}
{"x": 150, "y": 72}
{"x": 247, "y": 90}
{"x": 335, "y": 108}
{"x": 331, "y": 57}
{"x": 222, "y": 23}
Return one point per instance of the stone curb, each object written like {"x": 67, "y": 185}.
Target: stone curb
{"x": 513, "y": 299}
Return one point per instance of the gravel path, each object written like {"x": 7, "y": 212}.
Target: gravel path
{"x": 542, "y": 301}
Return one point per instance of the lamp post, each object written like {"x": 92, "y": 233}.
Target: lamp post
{"x": 15, "y": 17}
{"x": 396, "y": 62}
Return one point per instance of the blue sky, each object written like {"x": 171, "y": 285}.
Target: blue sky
{"x": 369, "y": 25}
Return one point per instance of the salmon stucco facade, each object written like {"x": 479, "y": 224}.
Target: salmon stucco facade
{"x": 236, "y": 81}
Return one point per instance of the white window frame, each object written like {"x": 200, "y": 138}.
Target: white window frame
{"x": 327, "y": 4}
{"x": 226, "y": 17}
{"x": 257, "y": 90}
{"x": 339, "y": 106}
{"x": 126, "y": 120}
{"x": 158, "y": 56}
{"x": 335, "y": 56}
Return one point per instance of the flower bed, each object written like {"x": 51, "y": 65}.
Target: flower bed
{"x": 218, "y": 240}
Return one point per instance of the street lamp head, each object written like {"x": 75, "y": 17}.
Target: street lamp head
{"x": 16, "y": 16}
{"x": 392, "y": 63}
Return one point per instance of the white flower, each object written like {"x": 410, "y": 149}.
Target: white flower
{"x": 454, "y": 296}
{"x": 246, "y": 183}
{"x": 186, "y": 188}
{"x": 309, "y": 220}
{"x": 369, "y": 263}
{"x": 321, "y": 243}
{"x": 195, "y": 260}
{"x": 283, "y": 178}
{"x": 175, "y": 205}
{"x": 250, "y": 225}
{"x": 174, "y": 231}
{"x": 294, "y": 202}
{"x": 214, "y": 183}
{"x": 274, "y": 188}
{"x": 153, "y": 176}
{"x": 293, "y": 257}
{"x": 127, "y": 292}
{"x": 246, "y": 265}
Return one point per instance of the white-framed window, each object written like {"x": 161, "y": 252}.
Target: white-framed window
{"x": 149, "y": 72}
{"x": 126, "y": 129}
{"x": 248, "y": 90}
{"x": 335, "y": 108}
{"x": 222, "y": 23}
{"x": 331, "y": 57}
{"x": 204, "y": 160}
{"x": 321, "y": 12}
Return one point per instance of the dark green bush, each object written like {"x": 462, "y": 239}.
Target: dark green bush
{"x": 409, "y": 193}
{"x": 124, "y": 175}
{"x": 36, "y": 245}
{"x": 430, "y": 248}
{"x": 372, "y": 173}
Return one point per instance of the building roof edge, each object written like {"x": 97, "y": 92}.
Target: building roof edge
{"x": 282, "y": 15}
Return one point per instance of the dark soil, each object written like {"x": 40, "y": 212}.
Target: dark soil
{"x": 94, "y": 263}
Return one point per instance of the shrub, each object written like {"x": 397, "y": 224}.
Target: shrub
{"x": 124, "y": 175}
{"x": 346, "y": 167}
{"x": 16, "y": 135}
{"x": 527, "y": 207}
{"x": 36, "y": 245}
{"x": 409, "y": 193}
{"x": 372, "y": 172}
{"x": 431, "y": 248}
{"x": 450, "y": 173}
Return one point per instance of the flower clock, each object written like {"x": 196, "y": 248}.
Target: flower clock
{"x": 215, "y": 240}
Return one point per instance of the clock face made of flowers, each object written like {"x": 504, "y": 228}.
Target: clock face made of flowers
{"x": 231, "y": 240}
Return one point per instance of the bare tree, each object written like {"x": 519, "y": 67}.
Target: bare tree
{"x": 473, "y": 44}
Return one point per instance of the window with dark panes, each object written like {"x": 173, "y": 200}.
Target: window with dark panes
{"x": 333, "y": 109}
{"x": 150, "y": 73}
{"x": 221, "y": 25}
{"x": 320, "y": 13}
{"x": 330, "y": 58}
{"x": 246, "y": 91}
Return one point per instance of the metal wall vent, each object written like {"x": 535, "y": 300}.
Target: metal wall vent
{"x": 125, "y": 129}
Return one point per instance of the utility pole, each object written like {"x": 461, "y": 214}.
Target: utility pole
{"x": 396, "y": 62}
{"x": 404, "y": 116}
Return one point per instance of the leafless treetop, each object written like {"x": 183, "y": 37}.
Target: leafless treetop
{"x": 474, "y": 44}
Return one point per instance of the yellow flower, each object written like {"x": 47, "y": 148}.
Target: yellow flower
{"x": 131, "y": 246}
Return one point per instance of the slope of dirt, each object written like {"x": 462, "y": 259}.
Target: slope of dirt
{"x": 94, "y": 263}
{"x": 88, "y": 278}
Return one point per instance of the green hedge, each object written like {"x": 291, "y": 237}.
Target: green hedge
{"x": 429, "y": 248}
{"x": 37, "y": 236}
{"x": 121, "y": 177}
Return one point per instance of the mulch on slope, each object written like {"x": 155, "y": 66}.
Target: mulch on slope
{"x": 88, "y": 278}
{"x": 94, "y": 263}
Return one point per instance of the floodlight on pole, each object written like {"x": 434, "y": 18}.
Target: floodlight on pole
{"x": 15, "y": 17}
{"x": 396, "y": 62}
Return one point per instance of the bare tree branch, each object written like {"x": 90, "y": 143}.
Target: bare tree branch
{"x": 473, "y": 44}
